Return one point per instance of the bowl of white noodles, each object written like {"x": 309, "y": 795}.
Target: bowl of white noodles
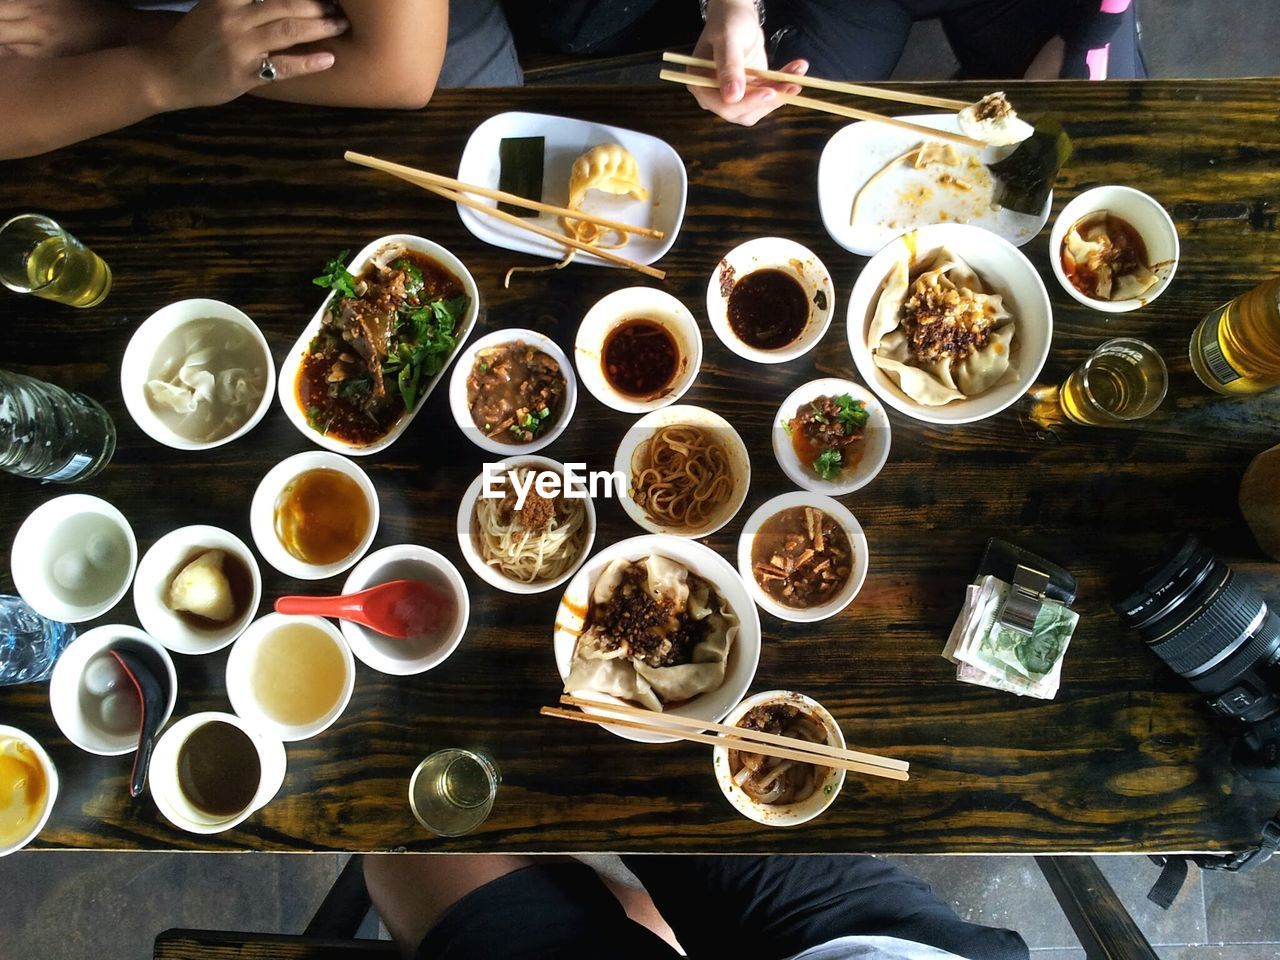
{"x": 949, "y": 324}
{"x": 197, "y": 374}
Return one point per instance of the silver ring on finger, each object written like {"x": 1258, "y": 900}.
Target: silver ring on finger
{"x": 268, "y": 70}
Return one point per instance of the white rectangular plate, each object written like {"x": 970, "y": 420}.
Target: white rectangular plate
{"x": 661, "y": 172}
{"x": 894, "y": 204}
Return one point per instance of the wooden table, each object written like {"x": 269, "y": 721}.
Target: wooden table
{"x": 245, "y": 203}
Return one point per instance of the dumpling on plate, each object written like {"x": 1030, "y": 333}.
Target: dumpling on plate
{"x": 608, "y": 167}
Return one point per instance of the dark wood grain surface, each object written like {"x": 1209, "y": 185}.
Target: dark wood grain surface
{"x": 244, "y": 203}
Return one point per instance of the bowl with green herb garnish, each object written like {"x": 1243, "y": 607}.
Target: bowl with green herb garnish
{"x": 395, "y": 317}
{"x": 831, "y": 436}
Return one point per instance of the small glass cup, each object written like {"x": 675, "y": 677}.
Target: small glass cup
{"x": 1123, "y": 380}
{"x": 38, "y": 256}
{"x": 452, "y": 791}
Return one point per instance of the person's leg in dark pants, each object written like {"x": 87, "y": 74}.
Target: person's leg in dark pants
{"x": 774, "y": 907}
{"x": 841, "y": 39}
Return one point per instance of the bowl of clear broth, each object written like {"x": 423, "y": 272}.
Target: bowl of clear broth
{"x": 770, "y": 300}
{"x": 513, "y": 391}
{"x": 803, "y": 557}
{"x": 314, "y": 515}
{"x": 1114, "y": 249}
{"x": 443, "y": 627}
{"x": 638, "y": 349}
{"x": 197, "y": 374}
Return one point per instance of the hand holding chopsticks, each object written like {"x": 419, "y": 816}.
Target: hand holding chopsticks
{"x": 735, "y": 738}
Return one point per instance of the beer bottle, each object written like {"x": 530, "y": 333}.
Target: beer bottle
{"x": 1236, "y": 348}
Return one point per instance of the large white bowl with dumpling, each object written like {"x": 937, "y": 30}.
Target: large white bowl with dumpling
{"x": 979, "y": 280}
{"x": 710, "y": 602}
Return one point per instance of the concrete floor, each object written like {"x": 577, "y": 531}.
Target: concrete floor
{"x": 91, "y": 905}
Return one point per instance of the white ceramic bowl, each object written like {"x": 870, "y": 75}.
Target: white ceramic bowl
{"x": 242, "y": 661}
{"x": 51, "y": 789}
{"x": 875, "y": 441}
{"x": 852, "y": 529}
{"x": 163, "y": 775}
{"x": 458, "y": 400}
{"x": 718, "y": 426}
{"x": 288, "y": 380}
{"x": 1004, "y": 270}
{"x": 1145, "y": 214}
{"x": 68, "y": 673}
{"x": 467, "y": 541}
{"x": 774, "y": 815}
{"x": 58, "y": 540}
{"x": 628, "y": 304}
{"x": 263, "y": 509}
{"x": 141, "y": 351}
{"x": 156, "y": 572}
{"x": 403, "y": 561}
{"x": 793, "y": 259}
{"x": 744, "y": 655}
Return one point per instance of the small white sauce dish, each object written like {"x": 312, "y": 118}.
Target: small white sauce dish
{"x": 287, "y": 384}
{"x": 712, "y": 423}
{"x": 242, "y": 663}
{"x": 612, "y": 311}
{"x": 262, "y": 514}
{"x": 791, "y": 258}
{"x": 76, "y": 690}
{"x": 163, "y": 774}
{"x": 459, "y": 402}
{"x": 156, "y": 572}
{"x": 778, "y": 815}
{"x": 1004, "y": 270}
{"x": 73, "y": 558}
{"x": 491, "y": 574}
{"x": 857, "y": 541}
{"x": 1142, "y": 212}
{"x": 701, "y": 560}
{"x": 140, "y": 354}
{"x": 405, "y": 561}
{"x": 874, "y": 446}
{"x": 51, "y": 786}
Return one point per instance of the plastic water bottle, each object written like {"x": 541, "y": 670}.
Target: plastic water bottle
{"x": 29, "y": 643}
{"x": 51, "y": 434}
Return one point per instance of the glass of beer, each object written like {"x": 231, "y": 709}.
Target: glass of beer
{"x": 1123, "y": 380}
{"x": 1235, "y": 350}
{"x": 452, "y": 791}
{"x": 38, "y": 256}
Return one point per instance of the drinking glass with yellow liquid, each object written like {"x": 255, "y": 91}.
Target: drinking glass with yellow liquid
{"x": 1123, "y": 380}
{"x": 1235, "y": 350}
{"x": 452, "y": 791}
{"x": 38, "y": 256}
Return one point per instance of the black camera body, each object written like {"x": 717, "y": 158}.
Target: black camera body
{"x": 1214, "y": 630}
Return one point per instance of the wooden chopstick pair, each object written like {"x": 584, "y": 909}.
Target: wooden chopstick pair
{"x": 697, "y": 80}
{"x": 736, "y": 738}
{"x": 457, "y": 190}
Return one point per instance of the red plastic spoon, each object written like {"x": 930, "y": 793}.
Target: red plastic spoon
{"x": 399, "y": 609}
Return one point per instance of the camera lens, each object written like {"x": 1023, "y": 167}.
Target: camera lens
{"x": 1212, "y": 628}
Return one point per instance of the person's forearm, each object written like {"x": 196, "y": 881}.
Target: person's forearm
{"x": 50, "y": 103}
{"x": 359, "y": 78}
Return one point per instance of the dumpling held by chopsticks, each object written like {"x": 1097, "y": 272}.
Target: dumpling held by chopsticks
{"x": 993, "y": 121}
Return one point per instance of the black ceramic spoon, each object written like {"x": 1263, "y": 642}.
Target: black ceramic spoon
{"x": 152, "y": 696}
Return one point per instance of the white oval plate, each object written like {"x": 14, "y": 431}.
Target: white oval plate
{"x": 858, "y": 151}
{"x": 293, "y": 359}
{"x": 662, "y": 173}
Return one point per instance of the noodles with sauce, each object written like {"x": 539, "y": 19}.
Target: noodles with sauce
{"x": 539, "y": 542}
{"x": 771, "y": 780}
{"x": 681, "y": 477}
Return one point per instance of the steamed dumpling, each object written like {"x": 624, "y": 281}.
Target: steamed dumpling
{"x": 607, "y": 167}
{"x": 203, "y": 589}
{"x": 993, "y": 121}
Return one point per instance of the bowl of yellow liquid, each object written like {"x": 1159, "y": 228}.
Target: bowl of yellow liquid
{"x": 290, "y": 677}
{"x": 28, "y": 787}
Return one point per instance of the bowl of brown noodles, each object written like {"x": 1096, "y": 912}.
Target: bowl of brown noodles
{"x": 687, "y": 471}
{"x": 519, "y": 540}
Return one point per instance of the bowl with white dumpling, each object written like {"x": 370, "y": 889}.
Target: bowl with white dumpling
{"x": 949, "y": 324}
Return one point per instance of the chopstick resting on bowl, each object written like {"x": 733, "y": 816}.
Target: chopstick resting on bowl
{"x": 734, "y": 738}
{"x": 437, "y": 185}
{"x": 695, "y": 80}
{"x": 836, "y": 86}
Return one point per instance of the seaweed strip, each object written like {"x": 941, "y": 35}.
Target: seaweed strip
{"x": 1025, "y": 177}
{"x": 521, "y": 171}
